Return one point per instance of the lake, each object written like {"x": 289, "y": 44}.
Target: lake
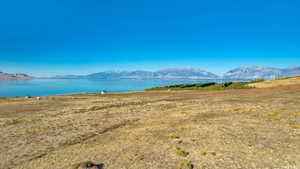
{"x": 46, "y": 87}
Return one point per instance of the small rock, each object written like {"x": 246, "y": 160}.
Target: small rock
{"x": 178, "y": 141}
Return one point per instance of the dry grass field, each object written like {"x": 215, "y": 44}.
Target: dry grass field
{"x": 277, "y": 82}
{"x": 230, "y": 129}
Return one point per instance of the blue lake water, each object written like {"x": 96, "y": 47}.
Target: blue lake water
{"x": 45, "y": 87}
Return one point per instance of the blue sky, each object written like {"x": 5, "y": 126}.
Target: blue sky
{"x": 51, "y": 37}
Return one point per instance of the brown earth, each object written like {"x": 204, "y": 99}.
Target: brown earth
{"x": 253, "y": 128}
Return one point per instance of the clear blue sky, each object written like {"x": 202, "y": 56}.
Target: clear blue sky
{"x": 47, "y": 37}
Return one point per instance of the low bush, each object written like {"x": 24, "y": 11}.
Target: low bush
{"x": 184, "y": 165}
{"x": 182, "y": 153}
{"x": 257, "y": 81}
{"x": 204, "y": 86}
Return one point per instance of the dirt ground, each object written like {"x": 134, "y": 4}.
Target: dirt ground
{"x": 233, "y": 129}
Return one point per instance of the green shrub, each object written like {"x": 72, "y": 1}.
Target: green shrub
{"x": 182, "y": 153}
{"x": 257, "y": 80}
{"x": 203, "y": 153}
{"x": 184, "y": 165}
{"x": 204, "y": 86}
{"x": 295, "y": 126}
{"x": 173, "y": 136}
{"x": 226, "y": 84}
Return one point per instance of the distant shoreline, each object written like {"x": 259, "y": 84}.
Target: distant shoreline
{"x": 54, "y": 87}
{"x": 48, "y": 87}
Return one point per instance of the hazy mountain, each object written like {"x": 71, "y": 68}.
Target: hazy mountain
{"x": 253, "y": 72}
{"x": 256, "y": 72}
{"x": 17, "y": 76}
{"x": 65, "y": 77}
{"x": 139, "y": 74}
{"x": 181, "y": 73}
{"x": 170, "y": 73}
{"x": 290, "y": 72}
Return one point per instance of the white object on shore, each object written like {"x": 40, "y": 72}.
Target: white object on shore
{"x": 103, "y": 92}
{"x": 38, "y": 98}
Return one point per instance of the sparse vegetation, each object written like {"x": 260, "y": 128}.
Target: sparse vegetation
{"x": 257, "y": 81}
{"x": 179, "y": 141}
{"x": 203, "y": 153}
{"x": 95, "y": 108}
{"x": 204, "y": 86}
{"x": 80, "y": 111}
{"x": 242, "y": 110}
{"x": 184, "y": 165}
{"x": 277, "y": 118}
{"x": 2, "y": 99}
{"x": 213, "y": 153}
{"x": 184, "y": 86}
{"x": 32, "y": 130}
{"x": 296, "y": 114}
{"x": 174, "y": 136}
{"x": 249, "y": 145}
{"x": 283, "y": 78}
{"x": 277, "y": 82}
{"x": 275, "y": 113}
{"x": 182, "y": 153}
{"x": 295, "y": 126}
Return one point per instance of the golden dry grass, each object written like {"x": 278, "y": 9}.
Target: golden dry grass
{"x": 277, "y": 82}
{"x": 3, "y": 99}
{"x": 146, "y": 130}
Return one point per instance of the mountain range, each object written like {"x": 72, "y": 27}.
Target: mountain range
{"x": 17, "y": 76}
{"x": 170, "y": 73}
{"x": 256, "y": 72}
{"x": 253, "y": 72}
